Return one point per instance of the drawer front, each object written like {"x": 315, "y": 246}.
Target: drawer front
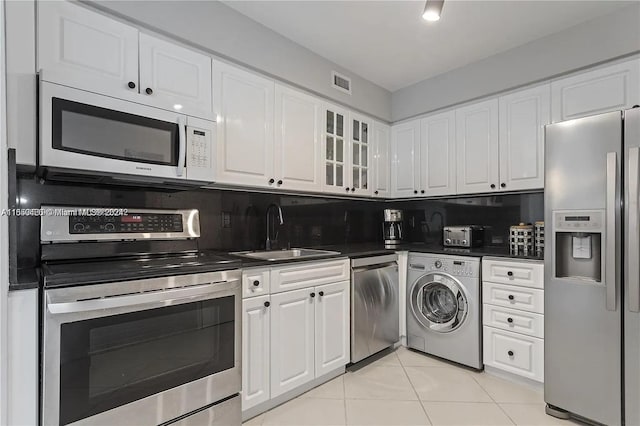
{"x": 255, "y": 282}
{"x": 302, "y": 275}
{"x": 513, "y": 320}
{"x": 527, "y": 274}
{"x": 515, "y": 353}
{"x": 527, "y": 299}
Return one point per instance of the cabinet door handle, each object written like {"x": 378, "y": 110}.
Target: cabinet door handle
{"x": 256, "y": 283}
{"x": 131, "y": 85}
{"x": 422, "y": 191}
{"x": 375, "y": 192}
{"x": 280, "y": 182}
{"x": 509, "y": 320}
{"x": 510, "y": 273}
{"x": 493, "y": 186}
{"x": 321, "y": 293}
{"x": 267, "y": 304}
{"x": 347, "y": 189}
{"x": 149, "y": 91}
{"x": 503, "y": 185}
{"x": 271, "y": 181}
{"x": 511, "y": 297}
{"x": 510, "y": 353}
{"x": 312, "y": 295}
{"x": 353, "y": 190}
{"x": 415, "y": 191}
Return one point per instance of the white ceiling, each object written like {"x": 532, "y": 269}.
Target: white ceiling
{"x": 388, "y": 42}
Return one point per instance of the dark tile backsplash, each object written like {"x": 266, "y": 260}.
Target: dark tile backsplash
{"x": 235, "y": 220}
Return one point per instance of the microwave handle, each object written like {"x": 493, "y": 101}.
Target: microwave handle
{"x": 182, "y": 148}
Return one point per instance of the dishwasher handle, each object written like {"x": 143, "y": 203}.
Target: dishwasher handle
{"x": 375, "y": 266}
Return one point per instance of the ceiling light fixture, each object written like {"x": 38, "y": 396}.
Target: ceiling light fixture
{"x": 432, "y": 10}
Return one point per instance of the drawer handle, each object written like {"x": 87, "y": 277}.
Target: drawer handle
{"x": 267, "y": 304}
{"x": 509, "y": 320}
{"x": 511, "y": 297}
{"x": 256, "y": 283}
{"x": 321, "y": 293}
{"x": 312, "y": 295}
{"x": 510, "y": 353}
{"x": 510, "y": 273}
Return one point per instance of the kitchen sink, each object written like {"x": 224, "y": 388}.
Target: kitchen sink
{"x": 294, "y": 253}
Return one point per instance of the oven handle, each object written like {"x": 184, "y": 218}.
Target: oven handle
{"x": 156, "y": 298}
{"x": 182, "y": 149}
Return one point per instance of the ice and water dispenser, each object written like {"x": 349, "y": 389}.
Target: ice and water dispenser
{"x": 579, "y": 236}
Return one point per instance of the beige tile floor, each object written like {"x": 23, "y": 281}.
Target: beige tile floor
{"x": 410, "y": 388}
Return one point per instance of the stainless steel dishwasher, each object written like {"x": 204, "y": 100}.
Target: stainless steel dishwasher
{"x": 375, "y": 322}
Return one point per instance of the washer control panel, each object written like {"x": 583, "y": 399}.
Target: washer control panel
{"x": 457, "y": 266}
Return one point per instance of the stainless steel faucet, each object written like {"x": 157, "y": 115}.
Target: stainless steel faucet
{"x": 269, "y": 242}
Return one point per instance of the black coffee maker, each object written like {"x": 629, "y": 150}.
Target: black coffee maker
{"x": 392, "y": 227}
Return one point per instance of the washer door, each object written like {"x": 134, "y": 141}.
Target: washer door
{"x": 438, "y": 302}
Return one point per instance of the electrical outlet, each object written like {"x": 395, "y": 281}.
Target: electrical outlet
{"x": 226, "y": 219}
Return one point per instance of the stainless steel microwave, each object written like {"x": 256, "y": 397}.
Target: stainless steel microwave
{"x": 84, "y": 133}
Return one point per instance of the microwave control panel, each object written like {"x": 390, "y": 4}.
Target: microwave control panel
{"x": 199, "y": 147}
{"x": 129, "y": 223}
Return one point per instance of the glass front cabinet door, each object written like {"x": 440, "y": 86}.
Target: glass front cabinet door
{"x": 360, "y": 150}
{"x": 335, "y": 141}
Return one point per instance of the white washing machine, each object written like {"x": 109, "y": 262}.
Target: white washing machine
{"x": 444, "y": 307}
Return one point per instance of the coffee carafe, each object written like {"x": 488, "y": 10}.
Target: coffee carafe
{"x": 392, "y": 227}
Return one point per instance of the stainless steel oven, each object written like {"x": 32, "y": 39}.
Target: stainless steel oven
{"x": 142, "y": 351}
{"x": 100, "y": 137}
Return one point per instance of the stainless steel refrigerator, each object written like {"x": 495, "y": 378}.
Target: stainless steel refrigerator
{"x": 592, "y": 268}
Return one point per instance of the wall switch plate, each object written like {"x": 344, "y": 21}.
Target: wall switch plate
{"x": 226, "y": 219}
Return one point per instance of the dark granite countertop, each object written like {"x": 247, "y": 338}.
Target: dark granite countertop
{"x": 26, "y": 279}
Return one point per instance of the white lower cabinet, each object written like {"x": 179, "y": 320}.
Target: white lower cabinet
{"x": 292, "y": 340}
{"x": 513, "y": 316}
{"x": 256, "y": 341}
{"x": 292, "y": 337}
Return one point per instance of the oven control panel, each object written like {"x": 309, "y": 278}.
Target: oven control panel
{"x": 74, "y": 224}
{"x": 127, "y": 223}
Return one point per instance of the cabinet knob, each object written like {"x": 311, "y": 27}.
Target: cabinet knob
{"x": 256, "y": 283}
{"x": 509, "y": 320}
{"x": 267, "y": 304}
{"x": 271, "y": 181}
{"x": 415, "y": 191}
{"x": 493, "y": 186}
{"x": 422, "y": 191}
{"x": 503, "y": 185}
{"x": 510, "y": 353}
{"x": 510, "y": 273}
{"x": 511, "y": 297}
{"x": 131, "y": 85}
{"x": 149, "y": 91}
{"x": 375, "y": 192}
{"x": 312, "y": 295}
{"x": 321, "y": 293}
{"x": 280, "y": 182}
{"x": 347, "y": 189}
{"x": 353, "y": 190}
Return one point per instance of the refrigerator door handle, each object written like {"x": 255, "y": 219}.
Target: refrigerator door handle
{"x": 610, "y": 253}
{"x": 633, "y": 240}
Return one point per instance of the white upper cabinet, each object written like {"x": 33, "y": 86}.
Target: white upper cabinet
{"x": 244, "y": 104}
{"x": 523, "y": 116}
{"x": 256, "y": 343}
{"x": 605, "y": 89}
{"x": 171, "y": 74}
{"x": 292, "y": 340}
{"x": 335, "y": 140}
{"x": 298, "y": 120}
{"x": 86, "y": 50}
{"x": 332, "y": 327}
{"x": 477, "y": 147}
{"x": 360, "y": 154}
{"x": 437, "y": 155}
{"x": 381, "y": 160}
{"x": 405, "y": 159}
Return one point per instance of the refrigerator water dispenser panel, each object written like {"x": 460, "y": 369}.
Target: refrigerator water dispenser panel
{"x": 578, "y": 238}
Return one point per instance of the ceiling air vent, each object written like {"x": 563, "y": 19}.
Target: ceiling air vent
{"x": 341, "y": 82}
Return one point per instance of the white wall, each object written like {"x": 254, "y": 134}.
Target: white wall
{"x": 592, "y": 42}
{"x": 223, "y": 31}
{"x": 4, "y": 228}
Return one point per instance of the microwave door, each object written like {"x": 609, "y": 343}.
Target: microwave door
{"x": 94, "y": 134}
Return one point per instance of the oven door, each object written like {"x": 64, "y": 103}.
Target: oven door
{"x": 140, "y": 352}
{"x": 97, "y": 134}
